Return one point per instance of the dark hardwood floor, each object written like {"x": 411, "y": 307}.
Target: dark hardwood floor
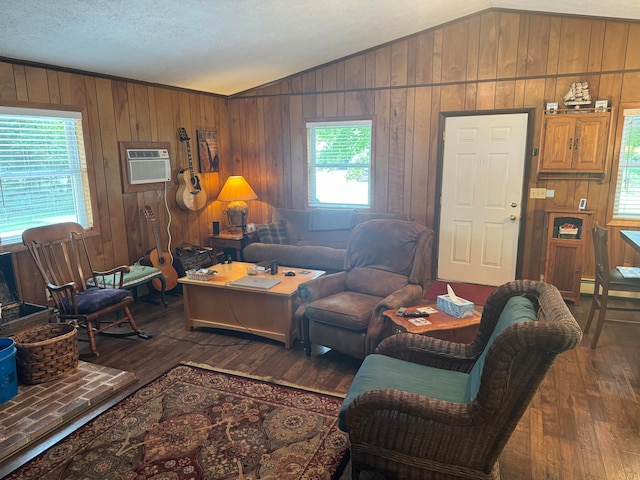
{"x": 584, "y": 423}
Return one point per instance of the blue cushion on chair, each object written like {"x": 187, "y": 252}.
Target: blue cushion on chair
{"x": 381, "y": 372}
{"x": 517, "y": 309}
{"x": 94, "y": 299}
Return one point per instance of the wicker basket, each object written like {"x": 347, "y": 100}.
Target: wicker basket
{"x": 201, "y": 274}
{"x": 46, "y": 352}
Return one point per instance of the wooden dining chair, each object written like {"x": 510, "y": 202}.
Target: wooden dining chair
{"x": 61, "y": 255}
{"x": 607, "y": 279}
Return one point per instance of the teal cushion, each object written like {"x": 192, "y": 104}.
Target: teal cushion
{"x": 517, "y": 309}
{"x": 381, "y": 372}
{"x": 137, "y": 275}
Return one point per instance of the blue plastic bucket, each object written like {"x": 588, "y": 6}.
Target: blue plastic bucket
{"x": 8, "y": 374}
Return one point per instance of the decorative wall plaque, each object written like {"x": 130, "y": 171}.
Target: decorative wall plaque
{"x": 208, "y": 151}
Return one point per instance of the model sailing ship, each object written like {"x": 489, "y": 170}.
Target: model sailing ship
{"x": 578, "y": 95}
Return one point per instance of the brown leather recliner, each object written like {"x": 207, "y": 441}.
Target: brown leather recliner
{"x": 387, "y": 265}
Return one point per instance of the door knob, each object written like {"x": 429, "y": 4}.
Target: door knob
{"x": 513, "y": 218}
{"x": 514, "y": 204}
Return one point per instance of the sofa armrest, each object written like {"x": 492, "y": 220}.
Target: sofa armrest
{"x": 429, "y": 351}
{"x": 407, "y": 296}
{"x": 322, "y": 287}
{"x": 414, "y": 407}
{"x": 380, "y": 326}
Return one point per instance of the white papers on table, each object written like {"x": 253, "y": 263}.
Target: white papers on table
{"x": 629, "y": 272}
{"x": 419, "y": 321}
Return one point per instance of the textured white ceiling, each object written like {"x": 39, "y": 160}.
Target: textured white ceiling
{"x": 228, "y": 46}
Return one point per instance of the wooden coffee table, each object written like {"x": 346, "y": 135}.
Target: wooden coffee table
{"x": 266, "y": 313}
{"x": 442, "y": 325}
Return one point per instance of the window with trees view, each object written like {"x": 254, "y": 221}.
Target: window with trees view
{"x": 43, "y": 171}
{"x": 627, "y": 198}
{"x": 339, "y": 163}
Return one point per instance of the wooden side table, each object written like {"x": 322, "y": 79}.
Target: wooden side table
{"x": 234, "y": 242}
{"x": 442, "y": 325}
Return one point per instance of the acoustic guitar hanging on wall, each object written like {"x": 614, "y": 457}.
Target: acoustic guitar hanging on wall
{"x": 190, "y": 194}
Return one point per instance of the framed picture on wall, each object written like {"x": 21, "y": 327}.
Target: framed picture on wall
{"x": 208, "y": 151}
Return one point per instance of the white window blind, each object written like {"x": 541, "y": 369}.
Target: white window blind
{"x": 627, "y": 198}
{"x": 43, "y": 170}
{"x": 339, "y": 163}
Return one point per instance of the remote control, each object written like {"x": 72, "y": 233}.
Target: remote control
{"x": 415, "y": 314}
{"x": 401, "y": 312}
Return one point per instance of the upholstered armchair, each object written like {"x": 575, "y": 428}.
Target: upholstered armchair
{"x": 424, "y": 408}
{"x": 387, "y": 265}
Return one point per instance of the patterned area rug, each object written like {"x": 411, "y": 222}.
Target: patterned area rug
{"x": 197, "y": 423}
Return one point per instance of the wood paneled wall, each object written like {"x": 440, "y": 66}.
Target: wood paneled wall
{"x": 119, "y": 110}
{"x": 494, "y": 60}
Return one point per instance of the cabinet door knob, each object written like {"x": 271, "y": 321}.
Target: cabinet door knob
{"x": 570, "y": 143}
{"x": 576, "y": 143}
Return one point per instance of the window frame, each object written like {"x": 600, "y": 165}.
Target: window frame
{"x": 364, "y": 119}
{"x": 93, "y": 229}
{"x": 619, "y": 222}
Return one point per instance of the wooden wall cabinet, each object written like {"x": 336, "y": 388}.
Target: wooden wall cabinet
{"x": 574, "y": 141}
{"x": 565, "y": 251}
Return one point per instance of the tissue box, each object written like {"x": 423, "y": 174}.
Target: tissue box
{"x": 458, "y": 310}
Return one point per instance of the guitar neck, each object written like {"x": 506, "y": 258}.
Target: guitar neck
{"x": 190, "y": 160}
{"x": 156, "y": 236}
{"x": 195, "y": 188}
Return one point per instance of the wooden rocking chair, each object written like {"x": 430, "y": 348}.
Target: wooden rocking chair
{"x": 61, "y": 255}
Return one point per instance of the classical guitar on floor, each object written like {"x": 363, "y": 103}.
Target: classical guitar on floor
{"x": 159, "y": 258}
{"x": 190, "y": 194}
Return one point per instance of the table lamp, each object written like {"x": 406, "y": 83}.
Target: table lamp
{"x": 236, "y": 191}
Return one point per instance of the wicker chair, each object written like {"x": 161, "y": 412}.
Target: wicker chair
{"x": 62, "y": 258}
{"x": 424, "y": 408}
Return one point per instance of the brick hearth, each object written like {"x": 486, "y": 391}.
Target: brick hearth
{"x": 39, "y": 409}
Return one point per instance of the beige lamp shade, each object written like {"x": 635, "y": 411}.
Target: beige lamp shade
{"x": 237, "y": 190}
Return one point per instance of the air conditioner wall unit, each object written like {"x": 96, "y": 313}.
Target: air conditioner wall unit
{"x": 148, "y": 165}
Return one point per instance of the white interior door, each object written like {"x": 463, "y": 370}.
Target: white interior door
{"x": 482, "y": 178}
